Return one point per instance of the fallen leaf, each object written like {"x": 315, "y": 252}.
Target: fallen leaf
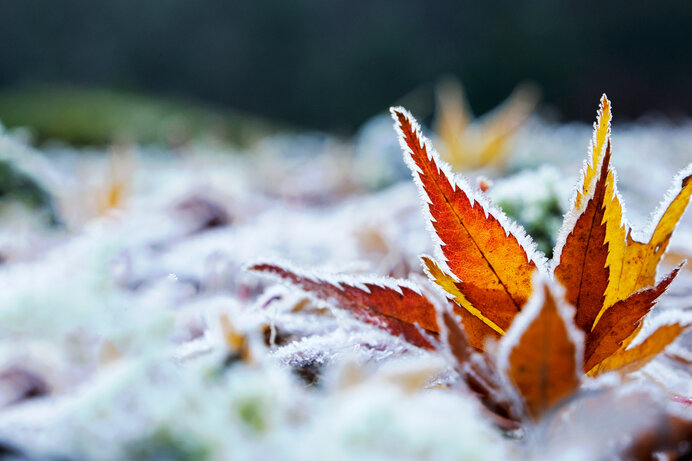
{"x": 486, "y": 266}
{"x": 393, "y": 305}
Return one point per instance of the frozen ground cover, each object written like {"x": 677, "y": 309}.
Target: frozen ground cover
{"x": 129, "y": 328}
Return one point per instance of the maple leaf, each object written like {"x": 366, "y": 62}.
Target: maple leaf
{"x": 468, "y": 144}
{"x": 488, "y": 267}
{"x": 542, "y": 352}
{"x": 396, "y": 306}
{"x": 488, "y": 273}
{"x": 480, "y": 249}
{"x": 627, "y": 278}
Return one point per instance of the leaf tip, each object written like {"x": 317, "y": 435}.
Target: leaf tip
{"x": 399, "y": 114}
{"x": 605, "y": 103}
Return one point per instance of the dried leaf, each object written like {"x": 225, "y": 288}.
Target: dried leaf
{"x": 541, "y": 353}
{"x": 393, "y": 305}
{"x": 493, "y": 268}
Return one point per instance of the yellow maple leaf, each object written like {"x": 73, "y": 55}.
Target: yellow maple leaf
{"x": 467, "y": 143}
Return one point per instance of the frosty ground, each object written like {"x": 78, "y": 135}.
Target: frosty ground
{"x": 123, "y": 291}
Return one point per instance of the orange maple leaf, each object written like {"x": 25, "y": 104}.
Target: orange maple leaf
{"x": 486, "y": 257}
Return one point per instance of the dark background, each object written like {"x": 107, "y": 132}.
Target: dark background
{"x": 331, "y": 64}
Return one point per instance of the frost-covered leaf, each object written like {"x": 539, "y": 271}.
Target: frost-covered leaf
{"x": 642, "y": 258}
{"x": 604, "y": 268}
{"x": 599, "y": 141}
{"x": 581, "y": 266}
{"x": 494, "y": 269}
{"x": 393, "y": 305}
{"x": 542, "y": 353}
{"x": 487, "y": 265}
{"x": 635, "y": 357}
{"x": 478, "y": 327}
{"x": 620, "y": 321}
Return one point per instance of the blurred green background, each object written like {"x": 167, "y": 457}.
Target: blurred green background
{"x": 331, "y": 64}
